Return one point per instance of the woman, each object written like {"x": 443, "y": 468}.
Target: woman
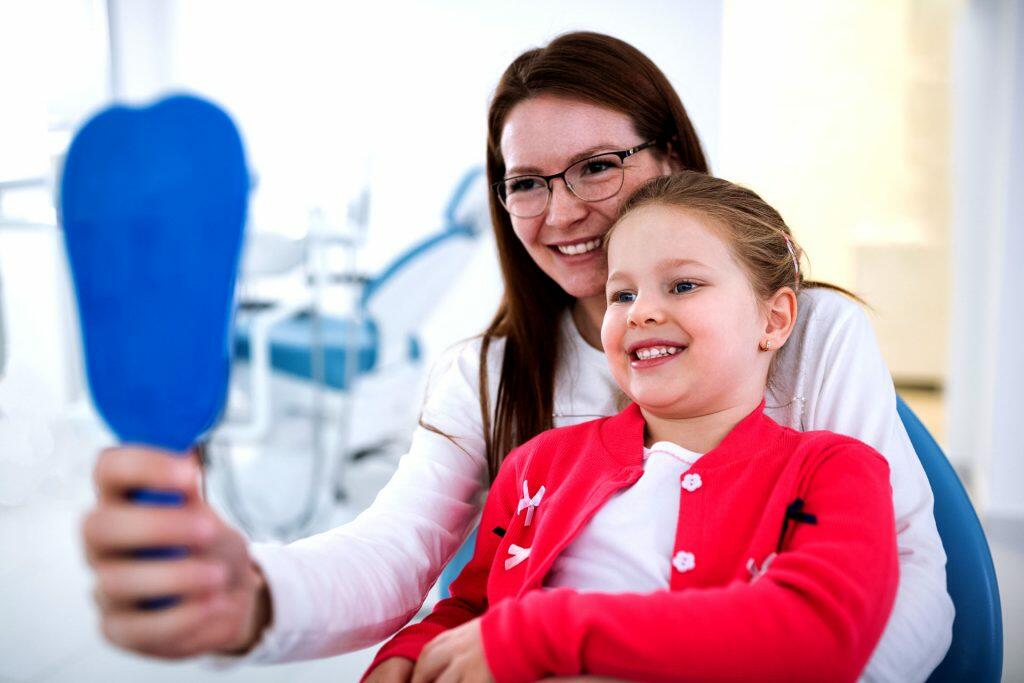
{"x": 586, "y": 103}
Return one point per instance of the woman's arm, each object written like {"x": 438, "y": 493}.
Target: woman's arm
{"x": 849, "y": 390}
{"x": 359, "y": 583}
{"x": 814, "y": 614}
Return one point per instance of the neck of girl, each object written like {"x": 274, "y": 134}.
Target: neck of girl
{"x": 697, "y": 433}
{"x": 588, "y": 313}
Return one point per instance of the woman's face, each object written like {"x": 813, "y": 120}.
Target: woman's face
{"x": 544, "y": 135}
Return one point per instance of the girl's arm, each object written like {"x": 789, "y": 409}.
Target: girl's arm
{"x": 469, "y": 590}
{"x": 814, "y": 614}
{"x": 357, "y": 584}
{"x": 849, "y": 390}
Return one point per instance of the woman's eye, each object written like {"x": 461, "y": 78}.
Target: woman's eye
{"x": 622, "y": 297}
{"x": 598, "y": 166}
{"x": 684, "y": 287}
{"x": 522, "y": 185}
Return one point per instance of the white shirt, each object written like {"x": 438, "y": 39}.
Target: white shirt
{"x": 355, "y": 585}
{"x": 626, "y": 547}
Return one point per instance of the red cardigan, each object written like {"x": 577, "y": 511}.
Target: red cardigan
{"x": 784, "y": 566}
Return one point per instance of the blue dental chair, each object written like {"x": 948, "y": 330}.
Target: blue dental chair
{"x": 976, "y": 652}
{"x": 348, "y": 348}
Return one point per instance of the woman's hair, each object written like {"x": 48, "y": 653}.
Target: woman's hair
{"x": 759, "y": 239}
{"x": 592, "y": 68}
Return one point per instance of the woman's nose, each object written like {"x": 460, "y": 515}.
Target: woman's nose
{"x": 564, "y": 208}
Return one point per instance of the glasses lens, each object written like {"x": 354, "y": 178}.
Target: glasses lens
{"x": 525, "y": 196}
{"x": 596, "y": 178}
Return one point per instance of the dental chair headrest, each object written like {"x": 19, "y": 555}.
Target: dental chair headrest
{"x": 468, "y": 210}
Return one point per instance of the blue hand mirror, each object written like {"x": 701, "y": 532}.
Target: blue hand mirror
{"x": 153, "y": 205}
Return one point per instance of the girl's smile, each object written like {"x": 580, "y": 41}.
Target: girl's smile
{"x": 653, "y": 352}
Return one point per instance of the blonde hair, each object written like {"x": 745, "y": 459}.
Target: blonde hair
{"x": 759, "y": 238}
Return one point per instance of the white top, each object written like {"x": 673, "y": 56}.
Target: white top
{"x": 626, "y": 547}
{"x": 355, "y": 585}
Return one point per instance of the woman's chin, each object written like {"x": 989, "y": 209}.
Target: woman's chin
{"x": 584, "y": 284}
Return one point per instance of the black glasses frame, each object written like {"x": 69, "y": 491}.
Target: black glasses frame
{"x": 621, "y": 154}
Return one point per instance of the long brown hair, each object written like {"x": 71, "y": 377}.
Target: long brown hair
{"x": 592, "y": 68}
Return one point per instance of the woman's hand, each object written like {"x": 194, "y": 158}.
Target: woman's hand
{"x": 454, "y": 656}
{"x": 224, "y": 602}
{"x": 394, "y": 670}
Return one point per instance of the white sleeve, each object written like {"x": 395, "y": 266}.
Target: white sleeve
{"x": 356, "y": 585}
{"x": 851, "y": 392}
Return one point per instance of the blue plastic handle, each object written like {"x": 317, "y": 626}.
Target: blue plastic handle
{"x": 153, "y": 206}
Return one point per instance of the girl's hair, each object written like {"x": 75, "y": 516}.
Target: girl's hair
{"x": 588, "y": 67}
{"x": 759, "y": 239}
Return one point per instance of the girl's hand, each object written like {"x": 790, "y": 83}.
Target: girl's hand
{"x": 224, "y": 603}
{"x": 455, "y": 656}
{"x": 394, "y": 670}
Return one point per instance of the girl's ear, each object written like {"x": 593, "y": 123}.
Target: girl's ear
{"x": 781, "y": 311}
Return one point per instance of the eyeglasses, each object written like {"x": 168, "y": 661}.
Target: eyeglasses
{"x": 591, "y": 179}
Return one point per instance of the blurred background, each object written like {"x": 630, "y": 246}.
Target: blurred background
{"x": 889, "y": 133}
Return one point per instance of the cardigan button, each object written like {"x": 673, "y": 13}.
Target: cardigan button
{"x": 684, "y": 561}
{"x": 692, "y": 482}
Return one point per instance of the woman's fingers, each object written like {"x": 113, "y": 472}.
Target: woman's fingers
{"x": 172, "y": 632}
{"x": 113, "y": 530}
{"x": 221, "y": 595}
{"x": 125, "y": 582}
{"x": 123, "y": 469}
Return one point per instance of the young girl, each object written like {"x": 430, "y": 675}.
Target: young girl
{"x": 689, "y": 537}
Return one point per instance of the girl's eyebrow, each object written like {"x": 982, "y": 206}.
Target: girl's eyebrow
{"x": 579, "y": 156}
{"x": 677, "y": 262}
{"x": 667, "y": 264}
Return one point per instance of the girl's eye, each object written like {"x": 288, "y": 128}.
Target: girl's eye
{"x": 683, "y": 287}
{"x": 622, "y": 298}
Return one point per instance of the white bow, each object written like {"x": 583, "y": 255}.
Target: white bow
{"x": 529, "y": 503}
{"x": 518, "y": 555}
{"x": 757, "y": 572}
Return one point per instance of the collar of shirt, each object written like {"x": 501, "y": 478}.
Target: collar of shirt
{"x": 672, "y": 450}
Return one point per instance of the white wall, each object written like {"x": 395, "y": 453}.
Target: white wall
{"x": 985, "y": 400}
{"x": 837, "y": 114}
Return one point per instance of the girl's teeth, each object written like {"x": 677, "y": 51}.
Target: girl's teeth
{"x": 656, "y": 352}
{"x": 583, "y": 248}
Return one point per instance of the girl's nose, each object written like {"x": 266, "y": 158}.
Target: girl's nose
{"x": 564, "y": 208}
{"x": 644, "y": 312}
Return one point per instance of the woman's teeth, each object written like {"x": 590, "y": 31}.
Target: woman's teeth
{"x": 582, "y": 248}
{"x": 656, "y": 352}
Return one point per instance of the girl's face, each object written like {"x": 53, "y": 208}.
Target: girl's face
{"x": 683, "y": 324}
{"x": 544, "y": 135}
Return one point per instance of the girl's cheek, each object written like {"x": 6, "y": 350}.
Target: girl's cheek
{"x": 611, "y": 325}
{"x": 612, "y": 329}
